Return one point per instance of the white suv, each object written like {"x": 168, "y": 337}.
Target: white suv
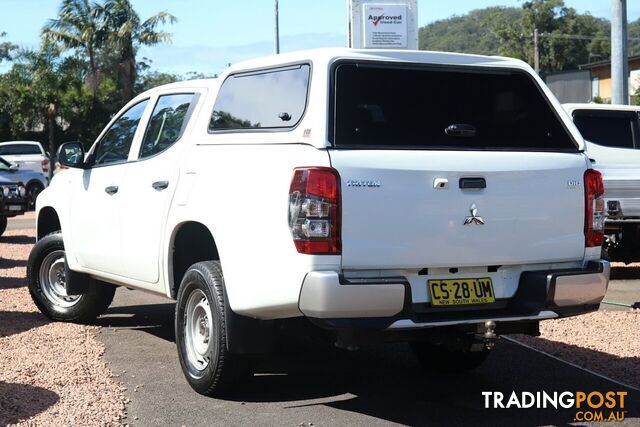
{"x": 27, "y": 155}
{"x": 428, "y": 197}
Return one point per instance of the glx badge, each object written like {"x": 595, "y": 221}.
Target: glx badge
{"x": 473, "y": 218}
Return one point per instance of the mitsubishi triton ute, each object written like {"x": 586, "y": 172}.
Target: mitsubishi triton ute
{"x": 434, "y": 198}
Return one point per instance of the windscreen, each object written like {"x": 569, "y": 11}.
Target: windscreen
{"x": 380, "y": 106}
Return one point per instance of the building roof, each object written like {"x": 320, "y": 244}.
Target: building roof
{"x": 605, "y": 62}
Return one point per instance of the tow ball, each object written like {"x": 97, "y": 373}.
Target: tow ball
{"x": 486, "y": 335}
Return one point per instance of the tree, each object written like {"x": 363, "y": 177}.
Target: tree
{"x": 474, "y": 32}
{"x": 78, "y": 27}
{"x": 126, "y": 33}
{"x": 6, "y": 48}
{"x": 567, "y": 39}
{"x": 31, "y": 91}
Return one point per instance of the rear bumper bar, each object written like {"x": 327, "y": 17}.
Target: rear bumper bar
{"x": 385, "y": 303}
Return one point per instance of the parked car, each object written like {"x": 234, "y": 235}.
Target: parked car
{"x": 435, "y": 198}
{"x": 13, "y": 200}
{"x": 612, "y": 133}
{"x": 34, "y": 182}
{"x": 27, "y": 155}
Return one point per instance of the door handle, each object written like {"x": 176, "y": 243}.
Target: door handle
{"x": 160, "y": 185}
{"x": 111, "y": 190}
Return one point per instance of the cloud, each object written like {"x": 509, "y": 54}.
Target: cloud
{"x": 214, "y": 59}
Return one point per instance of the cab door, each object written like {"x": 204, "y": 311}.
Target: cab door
{"x": 96, "y": 198}
{"x": 150, "y": 184}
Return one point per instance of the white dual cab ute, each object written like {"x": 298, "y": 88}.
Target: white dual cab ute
{"x": 612, "y": 141}
{"x": 435, "y": 198}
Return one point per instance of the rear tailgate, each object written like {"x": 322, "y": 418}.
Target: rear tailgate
{"x": 529, "y": 213}
{"x": 405, "y": 136}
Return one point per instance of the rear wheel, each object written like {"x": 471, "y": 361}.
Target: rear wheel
{"x": 3, "y": 224}
{"x": 201, "y": 336}
{"x": 444, "y": 359}
{"x": 47, "y": 281}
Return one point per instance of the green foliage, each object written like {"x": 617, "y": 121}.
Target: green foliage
{"x": 475, "y": 32}
{"x": 50, "y": 95}
{"x": 126, "y": 31}
{"x": 78, "y": 28}
{"x": 6, "y": 48}
{"x": 567, "y": 38}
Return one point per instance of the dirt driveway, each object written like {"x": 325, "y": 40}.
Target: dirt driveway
{"x": 50, "y": 373}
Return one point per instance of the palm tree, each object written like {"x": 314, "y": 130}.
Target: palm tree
{"x": 126, "y": 32}
{"x": 78, "y": 27}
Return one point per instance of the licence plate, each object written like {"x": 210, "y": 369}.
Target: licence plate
{"x": 448, "y": 292}
{"x": 15, "y": 208}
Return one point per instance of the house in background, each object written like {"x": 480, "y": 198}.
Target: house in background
{"x": 590, "y": 81}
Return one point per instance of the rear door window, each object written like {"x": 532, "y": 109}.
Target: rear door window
{"x": 609, "y": 128}
{"x": 381, "y": 106}
{"x": 273, "y": 99}
{"x": 19, "y": 149}
{"x": 166, "y": 124}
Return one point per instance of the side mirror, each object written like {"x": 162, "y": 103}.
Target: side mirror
{"x": 71, "y": 154}
{"x": 13, "y": 167}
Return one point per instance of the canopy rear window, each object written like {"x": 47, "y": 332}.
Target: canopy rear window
{"x": 381, "y": 106}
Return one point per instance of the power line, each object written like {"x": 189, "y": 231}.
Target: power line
{"x": 577, "y": 37}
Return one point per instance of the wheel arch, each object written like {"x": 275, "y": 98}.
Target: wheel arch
{"x": 48, "y": 222}
{"x": 191, "y": 242}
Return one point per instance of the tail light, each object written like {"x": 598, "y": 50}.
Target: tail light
{"x": 314, "y": 211}
{"x": 45, "y": 166}
{"x": 594, "y": 208}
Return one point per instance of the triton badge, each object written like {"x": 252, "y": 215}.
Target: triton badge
{"x": 474, "y": 218}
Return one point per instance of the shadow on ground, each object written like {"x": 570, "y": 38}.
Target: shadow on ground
{"x": 18, "y": 240}
{"x": 307, "y": 377}
{"x": 12, "y": 263}
{"x": 18, "y": 402}
{"x": 16, "y": 322}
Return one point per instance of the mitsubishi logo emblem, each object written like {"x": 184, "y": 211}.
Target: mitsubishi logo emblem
{"x": 474, "y": 218}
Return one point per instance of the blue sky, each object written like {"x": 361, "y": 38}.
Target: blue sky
{"x": 211, "y": 33}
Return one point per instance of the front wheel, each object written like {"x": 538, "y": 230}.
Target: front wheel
{"x": 33, "y": 190}
{"x": 47, "y": 281}
{"x": 201, "y": 335}
{"x": 3, "y": 224}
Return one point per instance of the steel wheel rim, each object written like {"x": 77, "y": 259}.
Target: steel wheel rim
{"x": 53, "y": 281}
{"x": 198, "y": 329}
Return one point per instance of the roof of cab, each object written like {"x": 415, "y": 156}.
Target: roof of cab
{"x": 328, "y": 55}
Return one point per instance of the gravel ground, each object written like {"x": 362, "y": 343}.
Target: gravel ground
{"x": 605, "y": 342}
{"x": 50, "y": 373}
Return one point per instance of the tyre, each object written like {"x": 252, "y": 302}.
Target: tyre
{"x": 33, "y": 190}
{"x": 201, "y": 335}
{"x": 46, "y": 279}
{"x": 3, "y": 224}
{"x": 441, "y": 359}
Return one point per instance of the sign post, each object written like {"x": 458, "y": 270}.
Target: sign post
{"x": 383, "y": 24}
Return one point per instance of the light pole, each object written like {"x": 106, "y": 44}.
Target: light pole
{"x": 619, "y": 61}
{"x": 277, "y": 29}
